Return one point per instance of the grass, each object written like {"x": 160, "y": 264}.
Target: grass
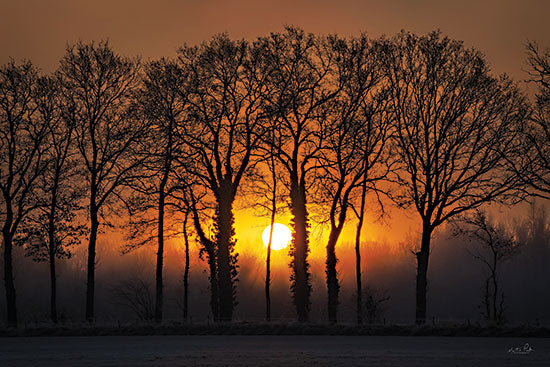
{"x": 246, "y": 328}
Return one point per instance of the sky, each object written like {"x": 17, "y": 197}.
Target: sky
{"x": 40, "y": 30}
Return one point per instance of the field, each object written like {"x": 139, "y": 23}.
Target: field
{"x": 271, "y": 350}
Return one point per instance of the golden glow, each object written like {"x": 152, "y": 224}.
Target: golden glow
{"x": 281, "y": 236}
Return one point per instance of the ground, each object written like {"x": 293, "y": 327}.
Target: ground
{"x": 271, "y": 350}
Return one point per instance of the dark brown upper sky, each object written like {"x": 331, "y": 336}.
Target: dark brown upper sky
{"x": 39, "y": 29}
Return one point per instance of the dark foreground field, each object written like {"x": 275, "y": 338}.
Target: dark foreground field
{"x": 273, "y": 350}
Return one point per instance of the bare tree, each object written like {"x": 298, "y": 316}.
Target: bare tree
{"x": 161, "y": 101}
{"x": 356, "y": 146}
{"x": 99, "y": 85}
{"x": 298, "y": 66}
{"x": 534, "y": 168}
{"x": 225, "y": 96}
{"x": 208, "y": 246}
{"x": 51, "y": 230}
{"x": 456, "y": 128}
{"x": 184, "y": 202}
{"x": 135, "y": 294}
{"x": 266, "y": 196}
{"x": 273, "y": 212}
{"x": 374, "y": 304}
{"x": 22, "y": 161}
{"x": 492, "y": 245}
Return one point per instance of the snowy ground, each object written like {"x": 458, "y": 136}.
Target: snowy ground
{"x": 225, "y": 350}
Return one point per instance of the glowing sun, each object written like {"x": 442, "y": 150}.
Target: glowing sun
{"x": 281, "y": 236}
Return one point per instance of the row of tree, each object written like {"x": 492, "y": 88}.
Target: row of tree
{"x": 310, "y": 120}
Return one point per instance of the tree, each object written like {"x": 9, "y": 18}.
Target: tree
{"x": 98, "y": 84}
{"x": 493, "y": 245}
{"x": 456, "y": 129}
{"x": 374, "y": 304}
{"x": 51, "y": 230}
{"x": 161, "y": 101}
{"x": 208, "y": 246}
{"x": 265, "y": 197}
{"x": 186, "y": 268}
{"x": 298, "y": 66}
{"x": 22, "y": 161}
{"x": 225, "y": 94}
{"x": 135, "y": 295}
{"x": 534, "y": 168}
{"x": 184, "y": 202}
{"x": 355, "y": 154}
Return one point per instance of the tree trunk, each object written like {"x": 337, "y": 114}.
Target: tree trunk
{"x": 160, "y": 256}
{"x": 358, "y": 274}
{"x": 487, "y": 300}
{"x": 209, "y": 248}
{"x": 53, "y": 295}
{"x": 422, "y": 274}
{"x": 160, "y": 230}
{"x": 8, "y": 272}
{"x": 300, "y": 277}
{"x": 332, "y": 277}
{"x": 495, "y": 290}
{"x": 268, "y": 270}
{"x": 226, "y": 267}
{"x": 186, "y": 270}
{"x": 272, "y": 223}
{"x": 90, "y": 287}
{"x": 214, "y": 292}
{"x": 53, "y": 248}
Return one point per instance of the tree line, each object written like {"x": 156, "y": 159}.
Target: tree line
{"x": 302, "y": 120}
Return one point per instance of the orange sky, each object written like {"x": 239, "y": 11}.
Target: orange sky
{"x": 39, "y": 30}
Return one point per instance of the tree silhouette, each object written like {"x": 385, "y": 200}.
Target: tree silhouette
{"x": 135, "y": 295}
{"x": 161, "y": 101}
{"x": 493, "y": 246}
{"x": 534, "y": 168}
{"x": 355, "y": 146}
{"x": 98, "y": 84}
{"x": 22, "y": 161}
{"x": 265, "y": 195}
{"x": 51, "y": 230}
{"x": 225, "y": 94}
{"x": 456, "y": 128}
{"x": 208, "y": 246}
{"x": 298, "y": 66}
{"x": 186, "y": 268}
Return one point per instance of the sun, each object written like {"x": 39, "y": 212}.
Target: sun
{"x": 281, "y": 236}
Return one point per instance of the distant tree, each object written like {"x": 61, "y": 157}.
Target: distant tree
{"x": 225, "y": 94}
{"x": 374, "y": 304}
{"x": 298, "y": 66}
{"x": 533, "y": 232}
{"x": 534, "y": 167}
{"x": 51, "y": 230}
{"x": 457, "y": 127}
{"x": 161, "y": 102}
{"x": 356, "y": 145}
{"x": 99, "y": 84}
{"x": 492, "y": 245}
{"x": 22, "y": 162}
{"x": 135, "y": 294}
